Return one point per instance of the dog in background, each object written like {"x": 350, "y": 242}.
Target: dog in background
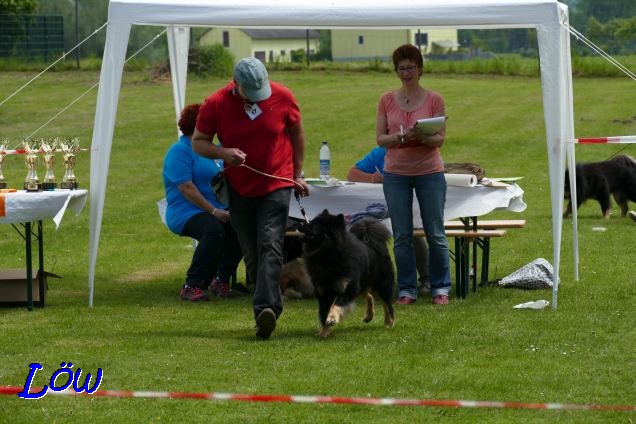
{"x": 294, "y": 280}
{"x": 599, "y": 180}
{"x": 345, "y": 264}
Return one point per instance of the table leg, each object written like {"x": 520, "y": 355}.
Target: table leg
{"x": 465, "y": 265}
{"x": 485, "y": 259}
{"x": 41, "y": 264}
{"x": 29, "y": 265}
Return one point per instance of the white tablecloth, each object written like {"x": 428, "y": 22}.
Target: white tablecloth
{"x": 350, "y": 198}
{"x": 22, "y": 206}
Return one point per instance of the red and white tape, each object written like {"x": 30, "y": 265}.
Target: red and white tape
{"x": 607, "y": 140}
{"x": 13, "y": 390}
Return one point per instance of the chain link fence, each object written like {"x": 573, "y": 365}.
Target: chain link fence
{"x": 31, "y": 36}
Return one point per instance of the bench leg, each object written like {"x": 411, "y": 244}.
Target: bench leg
{"x": 458, "y": 268}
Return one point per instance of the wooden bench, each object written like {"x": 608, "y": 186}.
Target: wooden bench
{"x": 483, "y": 242}
{"x": 461, "y": 252}
{"x": 485, "y": 224}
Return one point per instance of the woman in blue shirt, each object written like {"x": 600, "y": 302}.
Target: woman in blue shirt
{"x": 194, "y": 211}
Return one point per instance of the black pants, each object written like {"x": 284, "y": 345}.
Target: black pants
{"x": 218, "y": 252}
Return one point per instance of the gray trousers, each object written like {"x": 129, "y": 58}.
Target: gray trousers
{"x": 260, "y": 223}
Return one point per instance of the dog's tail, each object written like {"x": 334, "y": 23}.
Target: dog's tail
{"x": 371, "y": 232}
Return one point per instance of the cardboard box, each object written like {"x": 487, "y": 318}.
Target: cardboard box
{"x": 13, "y": 287}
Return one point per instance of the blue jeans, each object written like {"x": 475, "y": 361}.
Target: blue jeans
{"x": 260, "y": 223}
{"x": 430, "y": 191}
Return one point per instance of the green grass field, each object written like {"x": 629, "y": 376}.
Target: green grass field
{"x": 144, "y": 338}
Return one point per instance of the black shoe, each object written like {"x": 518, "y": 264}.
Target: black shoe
{"x": 265, "y": 323}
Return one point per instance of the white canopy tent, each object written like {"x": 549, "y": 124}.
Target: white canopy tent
{"x": 548, "y": 17}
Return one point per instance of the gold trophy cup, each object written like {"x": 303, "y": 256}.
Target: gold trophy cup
{"x": 48, "y": 147}
{"x": 31, "y": 182}
{"x": 70, "y": 148}
{"x": 3, "y": 151}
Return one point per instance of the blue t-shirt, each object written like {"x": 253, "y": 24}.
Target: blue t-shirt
{"x": 373, "y": 161}
{"x": 181, "y": 165}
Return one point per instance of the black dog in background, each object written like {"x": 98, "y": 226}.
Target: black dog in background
{"x": 344, "y": 264}
{"x": 599, "y": 180}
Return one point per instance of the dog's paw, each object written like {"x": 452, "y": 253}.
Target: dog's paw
{"x": 335, "y": 313}
{"x": 324, "y": 332}
{"x": 331, "y": 320}
{"x": 389, "y": 322}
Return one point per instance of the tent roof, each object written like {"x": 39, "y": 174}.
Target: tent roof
{"x": 333, "y": 13}
{"x": 549, "y": 17}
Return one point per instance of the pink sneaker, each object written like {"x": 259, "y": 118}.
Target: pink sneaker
{"x": 220, "y": 288}
{"x": 193, "y": 294}
{"x": 440, "y": 299}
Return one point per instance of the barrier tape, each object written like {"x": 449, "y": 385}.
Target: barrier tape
{"x": 606, "y": 140}
{"x": 13, "y": 390}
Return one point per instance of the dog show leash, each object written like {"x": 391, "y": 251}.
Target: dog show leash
{"x": 296, "y": 184}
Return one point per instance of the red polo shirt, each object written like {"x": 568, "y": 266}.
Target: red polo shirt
{"x": 264, "y": 140}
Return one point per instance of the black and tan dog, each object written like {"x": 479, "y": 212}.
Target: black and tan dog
{"x": 345, "y": 264}
{"x": 600, "y": 180}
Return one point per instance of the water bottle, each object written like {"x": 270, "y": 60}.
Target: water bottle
{"x": 325, "y": 161}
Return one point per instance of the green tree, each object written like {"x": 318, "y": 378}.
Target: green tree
{"x": 11, "y": 7}
{"x": 324, "y": 46}
{"x": 616, "y": 36}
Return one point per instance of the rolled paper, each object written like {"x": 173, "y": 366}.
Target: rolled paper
{"x": 461, "y": 180}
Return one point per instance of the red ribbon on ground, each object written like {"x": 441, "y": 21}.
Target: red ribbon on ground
{"x": 12, "y": 390}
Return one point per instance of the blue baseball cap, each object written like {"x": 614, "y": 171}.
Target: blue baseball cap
{"x": 251, "y": 75}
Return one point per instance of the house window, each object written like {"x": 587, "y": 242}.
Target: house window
{"x": 421, "y": 39}
{"x": 226, "y": 39}
{"x": 260, "y": 55}
{"x": 361, "y": 39}
{"x": 282, "y": 53}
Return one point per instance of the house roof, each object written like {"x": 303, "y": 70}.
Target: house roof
{"x": 262, "y": 34}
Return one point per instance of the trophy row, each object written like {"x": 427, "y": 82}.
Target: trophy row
{"x": 47, "y": 149}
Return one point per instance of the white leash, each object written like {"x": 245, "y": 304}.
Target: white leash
{"x": 296, "y": 184}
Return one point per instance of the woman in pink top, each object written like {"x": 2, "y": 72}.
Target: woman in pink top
{"x": 413, "y": 164}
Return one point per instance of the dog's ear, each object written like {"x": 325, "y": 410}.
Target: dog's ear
{"x": 325, "y": 212}
{"x": 341, "y": 220}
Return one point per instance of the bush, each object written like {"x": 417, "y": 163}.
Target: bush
{"x": 211, "y": 61}
{"x": 298, "y": 56}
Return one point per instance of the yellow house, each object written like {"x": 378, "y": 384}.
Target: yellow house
{"x": 349, "y": 45}
{"x": 267, "y": 45}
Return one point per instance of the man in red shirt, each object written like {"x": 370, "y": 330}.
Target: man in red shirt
{"x": 262, "y": 143}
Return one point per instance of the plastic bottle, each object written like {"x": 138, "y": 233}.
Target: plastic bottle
{"x": 325, "y": 161}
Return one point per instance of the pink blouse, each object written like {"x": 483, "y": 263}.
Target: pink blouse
{"x": 416, "y": 160}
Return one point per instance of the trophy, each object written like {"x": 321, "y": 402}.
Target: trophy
{"x": 70, "y": 148}
{"x": 3, "y": 151}
{"x": 31, "y": 183}
{"x": 48, "y": 147}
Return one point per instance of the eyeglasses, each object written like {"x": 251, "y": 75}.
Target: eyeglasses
{"x": 407, "y": 69}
